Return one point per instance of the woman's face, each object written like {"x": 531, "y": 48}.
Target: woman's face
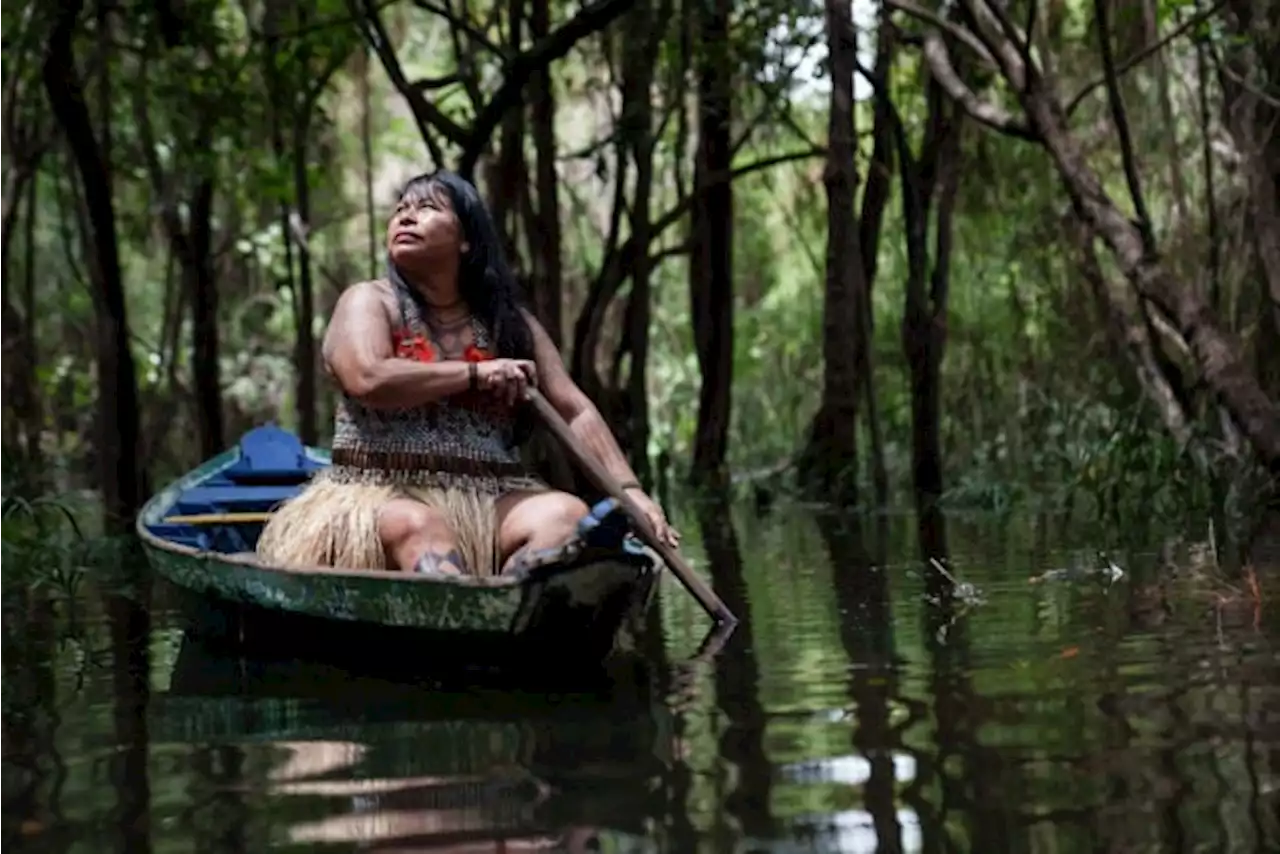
{"x": 423, "y": 228}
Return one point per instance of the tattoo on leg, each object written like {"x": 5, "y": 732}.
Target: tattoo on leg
{"x": 436, "y": 562}
{"x": 517, "y": 558}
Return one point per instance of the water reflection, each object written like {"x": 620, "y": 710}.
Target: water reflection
{"x": 866, "y": 635}
{"x": 359, "y": 761}
{"x": 860, "y": 706}
{"x": 748, "y": 772}
{"x": 129, "y": 628}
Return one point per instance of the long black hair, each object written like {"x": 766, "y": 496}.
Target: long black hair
{"x": 485, "y": 280}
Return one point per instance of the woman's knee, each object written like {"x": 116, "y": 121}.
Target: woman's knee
{"x": 403, "y": 520}
{"x": 558, "y": 514}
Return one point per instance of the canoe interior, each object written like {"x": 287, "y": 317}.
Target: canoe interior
{"x": 580, "y": 607}
{"x": 267, "y": 467}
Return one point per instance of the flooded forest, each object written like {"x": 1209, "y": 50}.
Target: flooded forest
{"x": 947, "y": 334}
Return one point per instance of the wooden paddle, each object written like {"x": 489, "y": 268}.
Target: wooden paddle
{"x": 706, "y": 597}
{"x": 217, "y": 518}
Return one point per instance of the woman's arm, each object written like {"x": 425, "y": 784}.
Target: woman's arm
{"x": 357, "y": 349}
{"x": 589, "y": 427}
{"x": 584, "y": 419}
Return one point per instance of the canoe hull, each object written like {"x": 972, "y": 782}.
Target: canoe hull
{"x": 577, "y": 617}
{"x": 583, "y": 608}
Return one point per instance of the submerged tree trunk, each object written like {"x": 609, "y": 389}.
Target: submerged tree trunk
{"x": 711, "y": 265}
{"x": 548, "y": 273}
{"x": 829, "y": 463}
{"x": 304, "y": 354}
{"x": 122, "y": 481}
{"x": 875, "y": 198}
{"x": 30, "y": 410}
{"x": 191, "y": 243}
{"x": 201, "y": 283}
{"x": 925, "y": 322}
{"x": 641, "y": 56}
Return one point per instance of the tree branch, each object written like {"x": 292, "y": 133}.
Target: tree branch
{"x": 425, "y": 114}
{"x": 459, "y": 24}
{"x": 1121, "y": 119}
{"x": 590, "y": 19}
{"x": 997, "y": 118}
{"x": 1147, "y": 52}
{"x": 963, "y": 34}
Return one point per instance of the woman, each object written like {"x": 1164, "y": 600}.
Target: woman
{"x": 432, "y": 364}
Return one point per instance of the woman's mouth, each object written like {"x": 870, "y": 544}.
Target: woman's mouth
{"x": 405, "y": 237}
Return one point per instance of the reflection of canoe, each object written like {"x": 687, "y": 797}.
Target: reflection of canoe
{"x": 199, "y": 534}
{"x": 396, "y": 764}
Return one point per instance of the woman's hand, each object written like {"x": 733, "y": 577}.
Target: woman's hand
{"x": 656, "y": 517}
{"x": 506, "y": 379}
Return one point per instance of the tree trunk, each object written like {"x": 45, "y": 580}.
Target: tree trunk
{"x": 641, "y": 55}
{"x": 875, "y": 198}
{"x": 711, "y": 267}
{"x": 122, "y": 481}
{"x": 1131, "y": 338}
{"x": 830, "y": 461}
{"x": 1253, "y": 120}
{"x": 304, "y": 354}
{"x": 30, "y": 410}
{"x": 206, "y": 365}
{"x": 548, "y": 276}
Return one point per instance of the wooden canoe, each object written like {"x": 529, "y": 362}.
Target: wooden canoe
{"x": 200, "y": 532}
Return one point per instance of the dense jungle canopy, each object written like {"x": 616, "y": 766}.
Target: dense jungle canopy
{"x": 988, "y": 253}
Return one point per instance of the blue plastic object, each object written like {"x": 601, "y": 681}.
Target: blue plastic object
{"x": 272, "y": 467}
{"x": 605, "y": 527}
{"x": 269, "y": 454}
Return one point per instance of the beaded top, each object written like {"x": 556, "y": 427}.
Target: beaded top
{"x": 467, "y": 439}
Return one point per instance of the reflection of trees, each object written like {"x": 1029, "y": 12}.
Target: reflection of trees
{"x": 217, "y": 775}
{"x": 955, "y": 708}
{"x": 30, "y": 717}
{"x": 737, "y": 678}
{"x": 129, "y": 623}
{"x": 862, "y": 595}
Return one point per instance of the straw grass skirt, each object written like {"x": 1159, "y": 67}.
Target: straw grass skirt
{"x": 334, "y": 522}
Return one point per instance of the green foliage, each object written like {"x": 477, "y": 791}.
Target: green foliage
{"x": 43, "y": 544}
{"x": 1036, "y": 408}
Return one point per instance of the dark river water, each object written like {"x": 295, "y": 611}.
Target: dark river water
{"x": 1051, "y": 698}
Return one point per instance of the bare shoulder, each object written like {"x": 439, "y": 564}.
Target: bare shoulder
{"x": 362, "y": 316}
{"x": 363, "y": 302}
{"x": 365, "y": 292}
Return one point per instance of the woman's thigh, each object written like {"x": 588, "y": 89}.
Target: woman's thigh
{"x": 538, "y": 519}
